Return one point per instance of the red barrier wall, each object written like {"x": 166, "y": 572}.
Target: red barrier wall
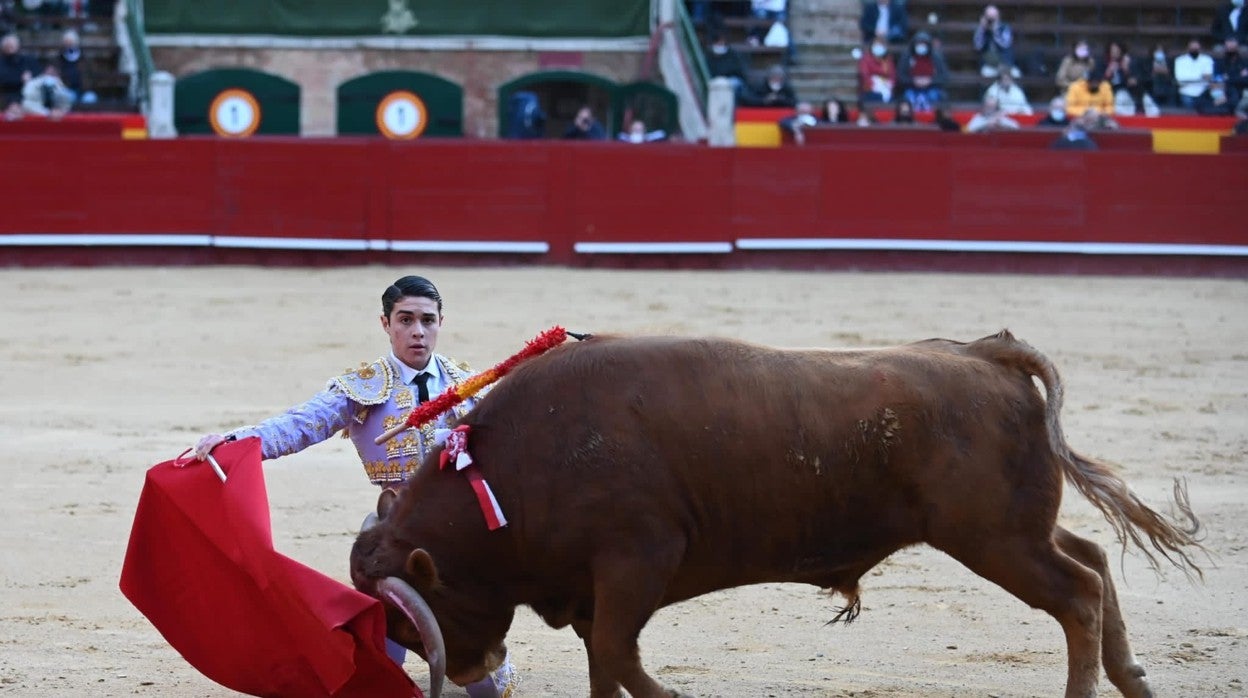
{"x": 569, "y": 193}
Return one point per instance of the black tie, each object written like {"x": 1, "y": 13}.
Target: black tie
{"x": 422, "y": 387}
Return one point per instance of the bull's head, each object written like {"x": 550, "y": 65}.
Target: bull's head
{"x": 386, "y": 564}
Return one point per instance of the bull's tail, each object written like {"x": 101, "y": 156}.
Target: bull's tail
{"x": 1132, "y": 520}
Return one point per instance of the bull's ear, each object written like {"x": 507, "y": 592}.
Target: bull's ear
{"x": 386, "y": 502}
{"x": 421, "y": 570}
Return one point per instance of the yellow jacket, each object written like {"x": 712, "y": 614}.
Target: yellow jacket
{"x": 1079, "y": 98}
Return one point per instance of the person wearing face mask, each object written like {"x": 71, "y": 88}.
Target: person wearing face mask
{"x": 1215, "y": 101}
{"x": 722, "y": 61}
{"x": 922, "y": 73}
{"x": 1056, "y": 116}
{"x": 877, "y": 74}
{"x": 774, "y": 92}
{"x": 1193, "y": 71}
{"x": 637, "y": 133}
{"x": 1157, "y": 78}
{"x": 1231, "y": 22}
{"x": 1233, "y": 67}
{"x": 1075, "y": 65}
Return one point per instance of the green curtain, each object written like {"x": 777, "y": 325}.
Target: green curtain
{"x": 521, "y": 18}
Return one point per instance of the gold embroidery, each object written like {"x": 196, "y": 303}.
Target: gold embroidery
{"x": 385, "y": 471}
{"x": 403, "y": 399}
{"x": 368, "y": 385}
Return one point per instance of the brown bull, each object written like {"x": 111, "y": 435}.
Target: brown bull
{"x": 639, "y": 472}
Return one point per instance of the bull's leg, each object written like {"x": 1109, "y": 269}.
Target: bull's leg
{"x": 1044, "y": 577}
{"x": 600, "y": 684}
{"x": 627, "y": 590}
{"x": 1121, "y": 666}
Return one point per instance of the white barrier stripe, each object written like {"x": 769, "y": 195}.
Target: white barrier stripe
{"x": 259, "y": 243}
{"x": 103, "y": 239}
{"x": 652, "y": 247}
{"x": 469, "y": 246}
{"x": 1090, "y": 248}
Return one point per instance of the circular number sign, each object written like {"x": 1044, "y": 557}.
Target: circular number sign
{"x": 401, "y": 115}
{"x": 234, "y": 113}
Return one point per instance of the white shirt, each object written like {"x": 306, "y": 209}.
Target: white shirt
{"x": 1012, "y": 100}
{"x": 881, "y": 24}
{"x": 437, "y": 378}
{"x": 1191, "y": 74}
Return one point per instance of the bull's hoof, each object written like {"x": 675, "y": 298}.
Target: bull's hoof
{"x": 677, "y": 694}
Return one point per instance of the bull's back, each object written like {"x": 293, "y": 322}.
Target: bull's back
{"x": 765, "y": 464}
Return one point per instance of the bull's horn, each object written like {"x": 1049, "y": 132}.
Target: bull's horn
{"x": 407, "y": 600}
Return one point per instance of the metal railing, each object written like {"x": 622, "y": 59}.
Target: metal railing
{"x": 141, "y": 55}
{"x": 691, "y": 48}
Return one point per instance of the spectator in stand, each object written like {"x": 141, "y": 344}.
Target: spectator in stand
{"x": 16, "y": 68}
{"x": 803, "y": 116}
{"x": 1193, "y": 72}
{"x": 69, "y": 63}
{"x": 1233, "y": 67}
{"x": 1057, "y": 114}
{"x": 1009, "y": 95}
{"x": 1117, "y": 69}
{"x": 1215, "y": 101}
{"x": 1230, "y": 21}
{"x": 877, "y": 74}
{"x": 994, "y": 42}
{"x": 1089, "y": 93}
{"x": 991, "y": 118}
{"x": 1074, "y": 137}
{"x": 585, "y": 127}
{"x": 1241, "y": 117}
{"x": 1157, "y": 78}
{"x": 865, "y": 117}
{"x": 46, "y": 95}
{"x": 922, "y": 73}
{"x": 903, "y": 114}
{"x": 773, "y": 10}
{"x": 8, "y": 16}
{"x": 834, "y": 112}
{"x": 13, "y": 112}
{"x": 1075, "y": 65}
{"x": 723, "y": 61}
{"x": 943, "y": 121}
{"x": 774, "y": 92}
{"x": 637, "y": 133}
{"x": 885, "y": 18}
{"x": 1094, "y": 120}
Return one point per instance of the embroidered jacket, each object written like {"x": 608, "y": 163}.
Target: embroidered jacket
{"x": 362, "y": 402}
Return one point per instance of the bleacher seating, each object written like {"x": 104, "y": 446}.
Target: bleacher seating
{"x": 1046, "y": 29}
{"x": 41, "y": 37}
{"x": 732, "y": 19}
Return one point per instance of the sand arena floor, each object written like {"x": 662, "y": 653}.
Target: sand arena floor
{"x": 108, "y": 371}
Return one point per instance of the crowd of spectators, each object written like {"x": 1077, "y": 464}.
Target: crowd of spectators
{"x": 49, "y": 87}
{"x": 907, "y": 71}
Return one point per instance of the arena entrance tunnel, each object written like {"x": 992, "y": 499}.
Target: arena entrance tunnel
{"x": 559, "y": 94}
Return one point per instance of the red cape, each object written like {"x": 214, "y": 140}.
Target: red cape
{"x": 201, "y": 566}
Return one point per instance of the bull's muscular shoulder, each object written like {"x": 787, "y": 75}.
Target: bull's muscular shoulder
{"x": 370, "y": 384}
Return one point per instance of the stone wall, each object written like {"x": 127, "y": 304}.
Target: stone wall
{"x": 319, "y": 72}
